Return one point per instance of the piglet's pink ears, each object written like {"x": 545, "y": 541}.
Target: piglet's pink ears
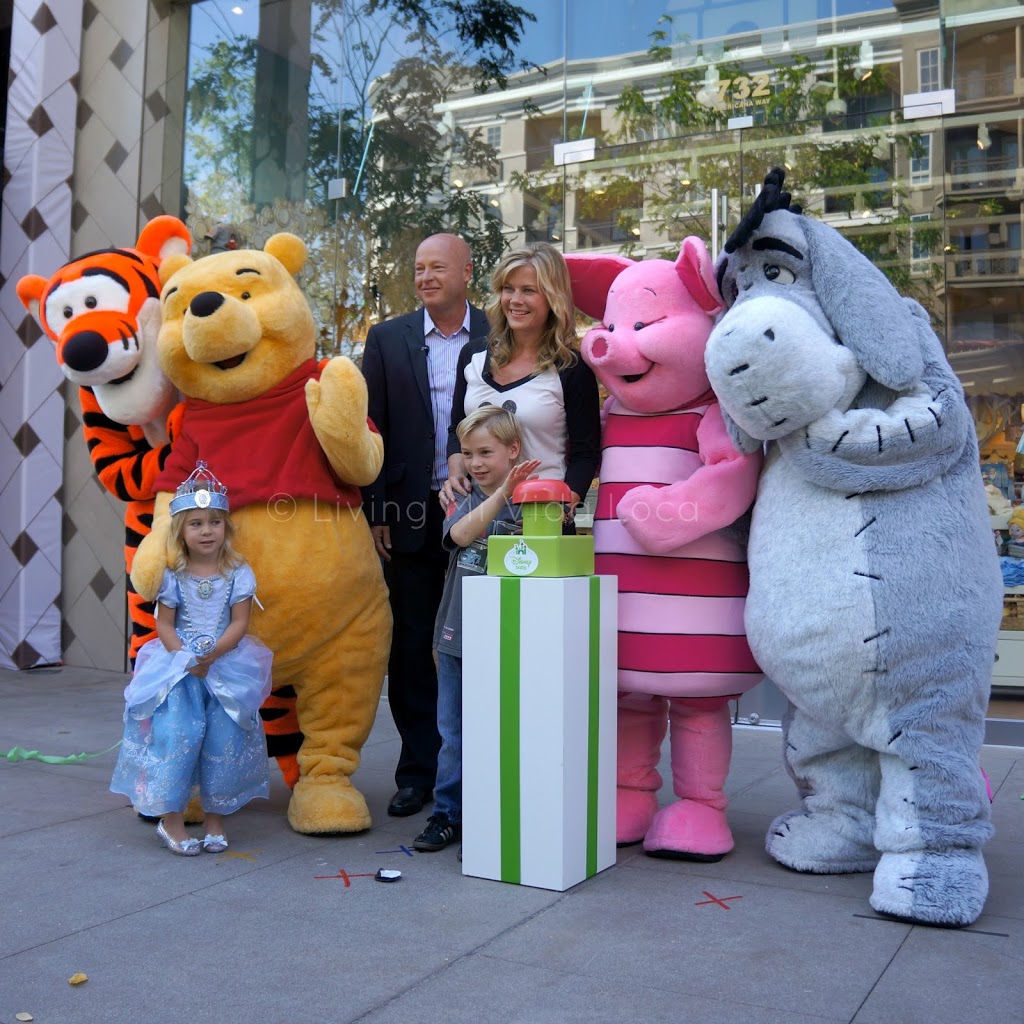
{"x": 592, "y": 275}
{"x": 697, "y": 272}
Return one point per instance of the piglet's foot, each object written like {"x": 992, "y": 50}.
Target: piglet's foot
{"x": 687, "y": 830}
{"x": 326, "y": 805}
{"x": 634, "y": 812}
{"x": 946, "y": 888}
{"x": 822, "y": 843}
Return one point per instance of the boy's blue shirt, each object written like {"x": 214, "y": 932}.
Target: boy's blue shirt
{"x": 463, "y": 562}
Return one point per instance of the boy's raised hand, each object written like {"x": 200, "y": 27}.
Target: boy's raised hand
{"x": 518, "y": 474}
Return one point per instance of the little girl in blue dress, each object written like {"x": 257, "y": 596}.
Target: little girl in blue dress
{"x": 191, "y": 716}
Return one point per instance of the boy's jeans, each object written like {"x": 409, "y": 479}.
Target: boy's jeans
{"x": 448, "y": 789}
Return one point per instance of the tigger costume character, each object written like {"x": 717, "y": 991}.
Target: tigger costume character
{"x": 292, "y": 443}
{"x": 102, "y": 311}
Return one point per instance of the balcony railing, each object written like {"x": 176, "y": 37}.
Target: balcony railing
{"x": 975, "y": 85}
{"x": 477, "y": 175}
{"x": 997, "y": 263}
{"x": 983, "y": 171}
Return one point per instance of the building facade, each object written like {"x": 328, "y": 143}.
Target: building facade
{"x": 619, "y": 128}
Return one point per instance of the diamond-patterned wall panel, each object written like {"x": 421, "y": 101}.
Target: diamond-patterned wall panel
{"x": 95, "y": 545}
{"x": 95, "y": 88}
{"x": 35, "y": 214}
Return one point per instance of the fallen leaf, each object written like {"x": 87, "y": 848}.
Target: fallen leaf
{"x": 78, "y": 979}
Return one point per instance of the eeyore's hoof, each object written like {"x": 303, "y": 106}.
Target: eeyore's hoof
{"x": 687, "y": 830}
{"x": 945, "y": 888}
{"x": 820, "y": 843}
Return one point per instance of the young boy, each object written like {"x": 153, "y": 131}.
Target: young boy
{"x": 491, "y": 447}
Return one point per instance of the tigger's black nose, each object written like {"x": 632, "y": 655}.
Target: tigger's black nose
{"x": 85, "y": 351}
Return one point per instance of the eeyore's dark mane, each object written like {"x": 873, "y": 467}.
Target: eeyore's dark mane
{"x": 770, "y": 198}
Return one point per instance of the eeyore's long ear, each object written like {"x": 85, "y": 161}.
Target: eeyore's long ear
{"x": 867, "y": 313}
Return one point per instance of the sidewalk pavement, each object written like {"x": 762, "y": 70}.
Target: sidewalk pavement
{"x": 290, "y": 929}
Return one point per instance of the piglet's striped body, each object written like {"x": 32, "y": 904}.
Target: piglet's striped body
{"x": 672, "y": 486}
{"x": 680, "y": 613}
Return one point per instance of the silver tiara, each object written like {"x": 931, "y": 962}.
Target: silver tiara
{"x": 200, "y": 489}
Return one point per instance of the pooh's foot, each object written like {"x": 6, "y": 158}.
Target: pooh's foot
{"x": 946, "y": 888}
{"x": 327, "y": 805}
{"x": 687, "y": 830}
{"x": 194, "y": 812}
{"x": 634, "y": 812}
{"x": 821, "y": 843}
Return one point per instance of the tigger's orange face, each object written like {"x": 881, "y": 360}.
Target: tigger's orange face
{"x": 103, "y": 312}
{"x": 93, "y": 309}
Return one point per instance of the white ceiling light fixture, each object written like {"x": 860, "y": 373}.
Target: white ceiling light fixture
{"x": 836, "y": 106}
{"x": 984, "y": 139}
{"x": 865, "y": 60}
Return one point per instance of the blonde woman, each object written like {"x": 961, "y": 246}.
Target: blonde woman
{"x": 530, "y": 365}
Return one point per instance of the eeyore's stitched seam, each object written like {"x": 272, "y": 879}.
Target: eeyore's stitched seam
{"x": 873, "y": 519}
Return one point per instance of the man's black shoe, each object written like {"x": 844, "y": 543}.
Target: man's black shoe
{"x": 440, "y": 831}
{"x": 408, "y": 800}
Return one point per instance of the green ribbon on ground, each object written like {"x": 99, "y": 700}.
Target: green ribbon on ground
{"x": 21, "y": 754}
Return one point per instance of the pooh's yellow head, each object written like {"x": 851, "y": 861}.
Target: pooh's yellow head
{"x": 235, "y": 323}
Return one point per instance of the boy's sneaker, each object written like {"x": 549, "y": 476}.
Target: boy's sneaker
{"x": 440, "y": 831}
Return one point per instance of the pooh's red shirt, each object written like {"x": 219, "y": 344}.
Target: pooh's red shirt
{"x": 261, "y": 449}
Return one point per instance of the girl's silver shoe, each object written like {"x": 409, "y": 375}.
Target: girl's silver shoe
{"x": 185, "y": 848}
{"x": 215, "y": 844}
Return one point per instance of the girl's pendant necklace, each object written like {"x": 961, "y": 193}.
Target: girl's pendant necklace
{"x": 198, "y": 636}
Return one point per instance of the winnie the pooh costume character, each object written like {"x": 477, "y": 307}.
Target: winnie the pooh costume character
{"x": 292, "y": 442}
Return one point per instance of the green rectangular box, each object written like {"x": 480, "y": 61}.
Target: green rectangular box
{"x": 540, "y": 556}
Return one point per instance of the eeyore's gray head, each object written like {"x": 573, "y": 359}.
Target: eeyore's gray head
{"x": 809, "y": 321}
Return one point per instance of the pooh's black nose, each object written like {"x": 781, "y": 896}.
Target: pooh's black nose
{"x": 206, "y": 303}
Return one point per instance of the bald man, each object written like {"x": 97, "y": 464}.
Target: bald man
{"x": 409, "y": 364}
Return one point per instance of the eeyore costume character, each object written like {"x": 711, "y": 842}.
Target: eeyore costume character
{"x": 875, "y": 594}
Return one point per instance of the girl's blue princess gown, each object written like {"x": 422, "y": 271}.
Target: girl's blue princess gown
{"x": 184, "y": 733}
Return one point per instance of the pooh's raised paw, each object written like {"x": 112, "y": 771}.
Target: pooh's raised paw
{"x": 327, "y": 805}
{"x": 338, "y": 400}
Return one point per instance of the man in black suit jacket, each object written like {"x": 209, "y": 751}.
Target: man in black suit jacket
{"x": 409, "y": 365}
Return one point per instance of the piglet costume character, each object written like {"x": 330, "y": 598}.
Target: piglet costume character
{"x": 671, "y": 481}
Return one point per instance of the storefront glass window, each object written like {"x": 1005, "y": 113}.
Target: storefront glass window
{"x": 362, "y": 132}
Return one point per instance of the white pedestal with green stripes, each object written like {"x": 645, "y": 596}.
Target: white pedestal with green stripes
{"x": 538, "y": 728}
